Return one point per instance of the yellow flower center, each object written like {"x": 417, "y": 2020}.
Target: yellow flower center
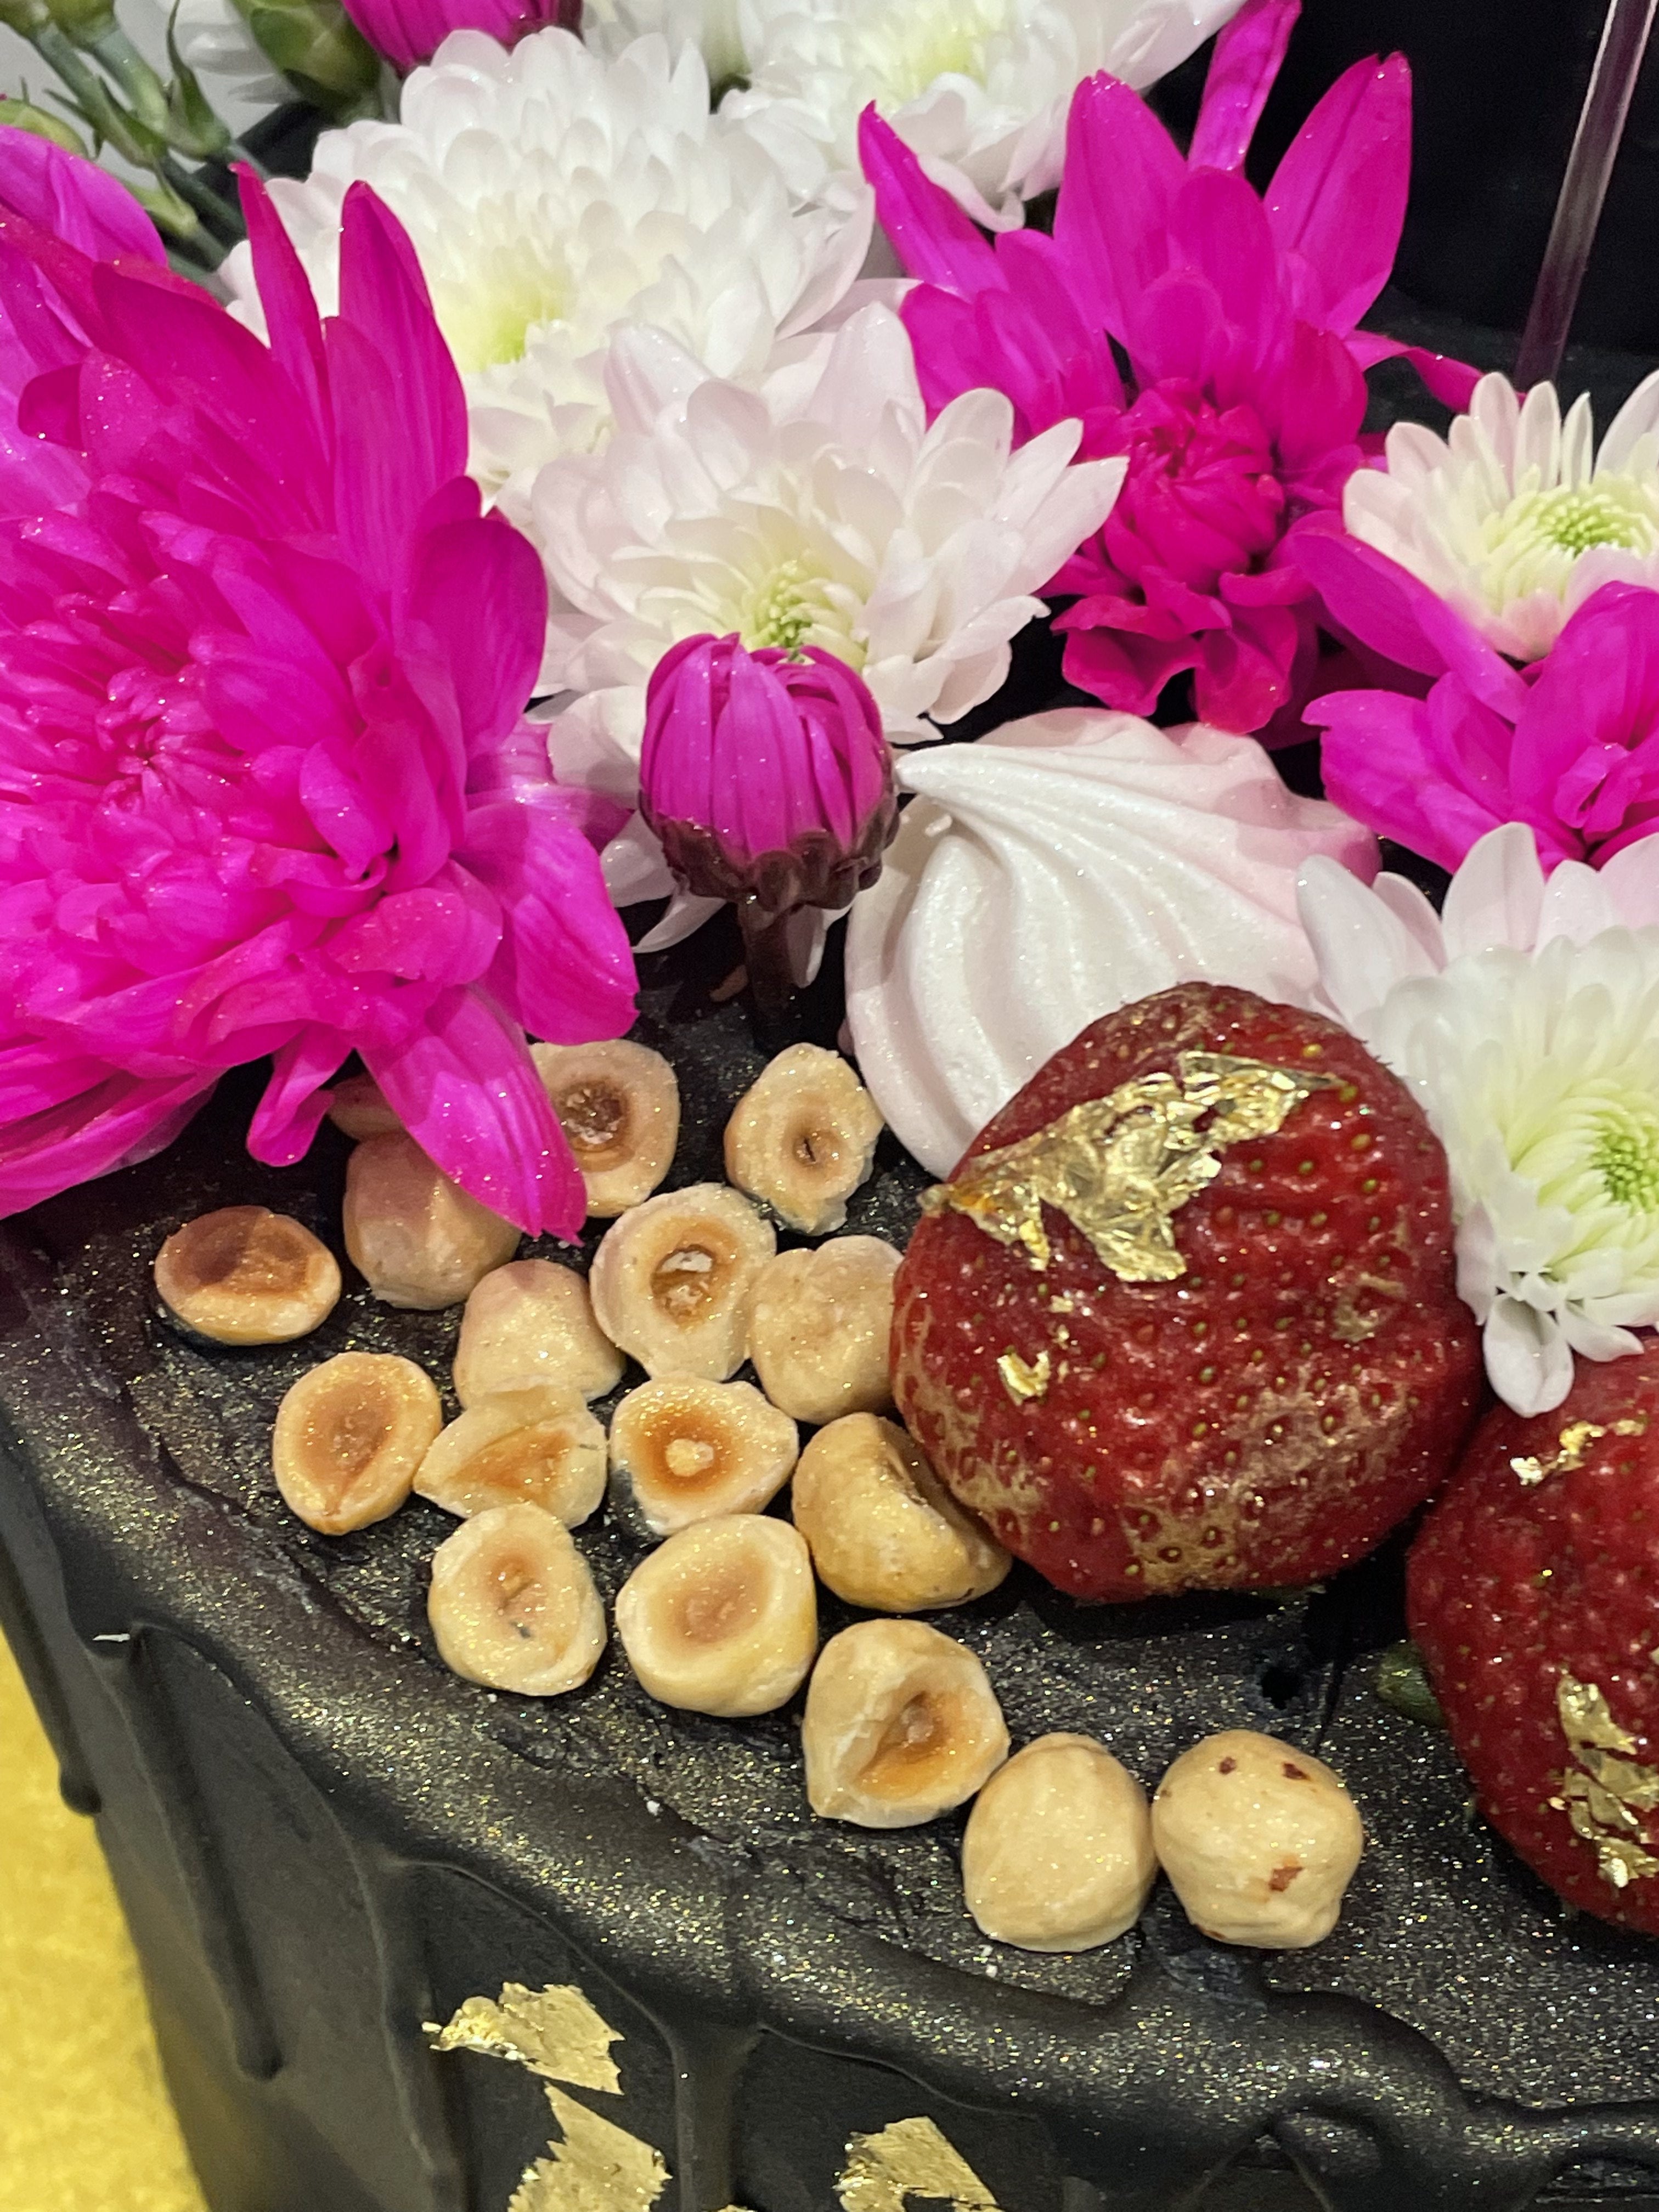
{"x": 1596, "y": 1148}
{"x": 783, "y": 609}
{"x": 1531, "y": 544}
{"x": 488, "y": 309}
{"x": 1626, "y": 1155}
{"x": 921, "y": 42}
{"x": 1576, "y": 519}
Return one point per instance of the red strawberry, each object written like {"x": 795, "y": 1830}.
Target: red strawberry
{"x": 1533, "y": 1592}
{"x": 1299, "y": 1384}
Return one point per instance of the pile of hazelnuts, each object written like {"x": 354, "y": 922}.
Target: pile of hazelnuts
{"x": 900, "y": 1723}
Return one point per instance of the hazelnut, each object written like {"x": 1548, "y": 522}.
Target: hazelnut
{"x": 417, "y": 1238}
{"x": 819, "y": 1328}
{"x": 245, "y": 1275}
{"x": 512, "y": 1604}
{"x": 688, "y": 1450}
{"x": 619, "y": 1104}
{"x": 532, "y": 1323}
{"x": 540, "y": 1447}
{"x": 674, "y": 1278}
{"x": 1259, "y": 1839}
{"x": 357, "y": 1108}
{"x": 722, "y": 1619}
{"x": 884, "y": 1530}
{"x": 902, "y": 1723}
{"x": 802, "y": 1138}
{"x": 349, "y": 1437}
{"x": 1058, "y": 1853}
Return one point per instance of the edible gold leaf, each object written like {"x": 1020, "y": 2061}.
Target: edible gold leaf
{"x": 1120, "y": 1168}
{"x": 910, "y": 2158}
{"x": 1020, "y": 1379}
{"x": 1574, "y": 1448}
{"x": 1587, "y": 1718}
{"x": 555, "y": 2032}
{"x": 596, "y": 2167}
{"x": 1606, "y": 1793}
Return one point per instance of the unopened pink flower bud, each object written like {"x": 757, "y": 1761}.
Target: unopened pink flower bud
{"x": 770, "y": 782}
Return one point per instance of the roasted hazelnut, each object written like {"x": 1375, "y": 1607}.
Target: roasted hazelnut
{"x": 619, "y": 1105}
{"x": 819, "y": 1328}
{"x": 722, "y": 1619}
{"x": 902, "y": 1723}
{"x": 674, "y": 1278}
{"x": 538, "y": 1447}
{"x": 417, "y": 1238}
{"x": 244, "y": 1275}
{"x": 689, "y": 1450}
{"x": 350, "y": 1435}
{"x": 1058, "y": 1854}
{"x": 532, "y": 1323}
{"x": 357, "y": 1108}
{"x": 884, "y": 1530}
{"x": 512, "y": 1604}
{"x": 1259, "y": 1839}
{"x": 802, "y": 1138}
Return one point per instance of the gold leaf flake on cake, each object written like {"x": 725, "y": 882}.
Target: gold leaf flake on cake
{"x": 1606, "y": 1792}
{"x": 594, "y": 2167}
{"x": 1120, "y": 1167}
{"x": 555, "y": 2032}
{"x": 911, "y": 2158}
{"x": 1573, "y": 1448}
{"x": 1023, "y": 1380}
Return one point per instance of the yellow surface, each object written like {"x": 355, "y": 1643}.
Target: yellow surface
{"x": 85, "y": 2125}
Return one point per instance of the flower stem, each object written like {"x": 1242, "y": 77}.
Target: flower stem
{"x": 766, "y": 952}
{"x": 206, "y": 202}
{"x": 135, "y": 76}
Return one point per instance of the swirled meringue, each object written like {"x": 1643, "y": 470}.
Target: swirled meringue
{"x": 1063, "y": 867}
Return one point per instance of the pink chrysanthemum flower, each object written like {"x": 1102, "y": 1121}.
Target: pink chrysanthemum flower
{"x": 1569, "y": 745}
{"x": 265, "y": 786}
{"x": 1238, "y": 315}
{"x": 409, "y": 32}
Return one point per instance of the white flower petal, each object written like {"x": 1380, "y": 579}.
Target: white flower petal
{"x": 686, "y": 915}
{"x": 1496, "y": 896}
{"x": 1630, "y": 883}
{"x": 1364, "y": 949}
{"x": 1528, "y": 1361}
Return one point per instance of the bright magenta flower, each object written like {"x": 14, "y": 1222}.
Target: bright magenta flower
{"x": 408, "y": 32}
{"x": 1237, "y": 316}
{"x": 265, "y": 784}
{"x": 85, "y": 207}
{"x": 1568, "y": 744}
{"x": 769, "y": 782}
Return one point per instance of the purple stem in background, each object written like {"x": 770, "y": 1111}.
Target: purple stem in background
{"x": 1583, "y": 189}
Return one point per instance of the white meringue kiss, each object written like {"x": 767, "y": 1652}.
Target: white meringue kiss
{"x": 1062, "y": 867}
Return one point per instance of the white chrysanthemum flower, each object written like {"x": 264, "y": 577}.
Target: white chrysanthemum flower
{"x": 215, "y": 42}
{"x": 978, "y": 87}
{"x": 554, "y": 196}
{"x": 713, "y": 26}
{"x": 1515, "y": 518}
{"x": 1525, "y": 1020}
{"x": 821, "y": 510}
